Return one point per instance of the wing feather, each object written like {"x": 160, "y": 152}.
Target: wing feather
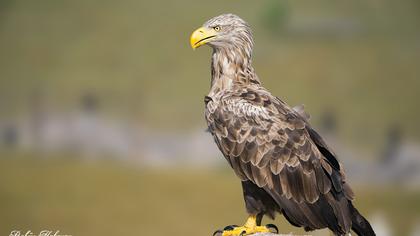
{"x": 272, "y": 145}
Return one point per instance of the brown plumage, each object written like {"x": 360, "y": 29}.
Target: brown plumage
{"x": 283, "y": 163}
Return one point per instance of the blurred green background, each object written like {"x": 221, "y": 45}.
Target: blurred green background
{"x": 101, "y": 110}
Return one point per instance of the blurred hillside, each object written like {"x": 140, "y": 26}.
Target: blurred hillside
{"x": 358, "y": 59}
{"x": 107, "y": 198}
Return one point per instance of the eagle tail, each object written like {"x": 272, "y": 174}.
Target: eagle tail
{"x": 359, "y": 223}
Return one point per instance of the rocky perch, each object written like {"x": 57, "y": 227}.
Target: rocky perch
{"x": 273, "y": 234}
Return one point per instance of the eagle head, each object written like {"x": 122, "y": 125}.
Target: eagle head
{"x": 223, "y": 32}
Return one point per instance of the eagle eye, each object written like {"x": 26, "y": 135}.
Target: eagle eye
{"x": 216, "y": 28}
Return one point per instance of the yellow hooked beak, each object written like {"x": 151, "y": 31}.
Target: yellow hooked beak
{"x": 202, "y": 36}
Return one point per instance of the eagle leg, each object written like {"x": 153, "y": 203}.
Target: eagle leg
{"x": 251, "y": 226}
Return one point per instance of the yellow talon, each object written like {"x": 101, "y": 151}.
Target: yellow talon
{"x": 250, "y": 227}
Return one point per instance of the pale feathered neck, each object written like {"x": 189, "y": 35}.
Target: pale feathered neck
{"x": 232, "y": 66}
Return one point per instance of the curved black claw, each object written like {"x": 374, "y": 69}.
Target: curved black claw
{"x": 218, "y": 232}
{"x": 273, "y": 228}
{"x": 230, "y": 227}
{"x": 242, "y": 233}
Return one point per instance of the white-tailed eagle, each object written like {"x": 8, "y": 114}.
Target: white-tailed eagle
{"x": 283, "y": 163}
